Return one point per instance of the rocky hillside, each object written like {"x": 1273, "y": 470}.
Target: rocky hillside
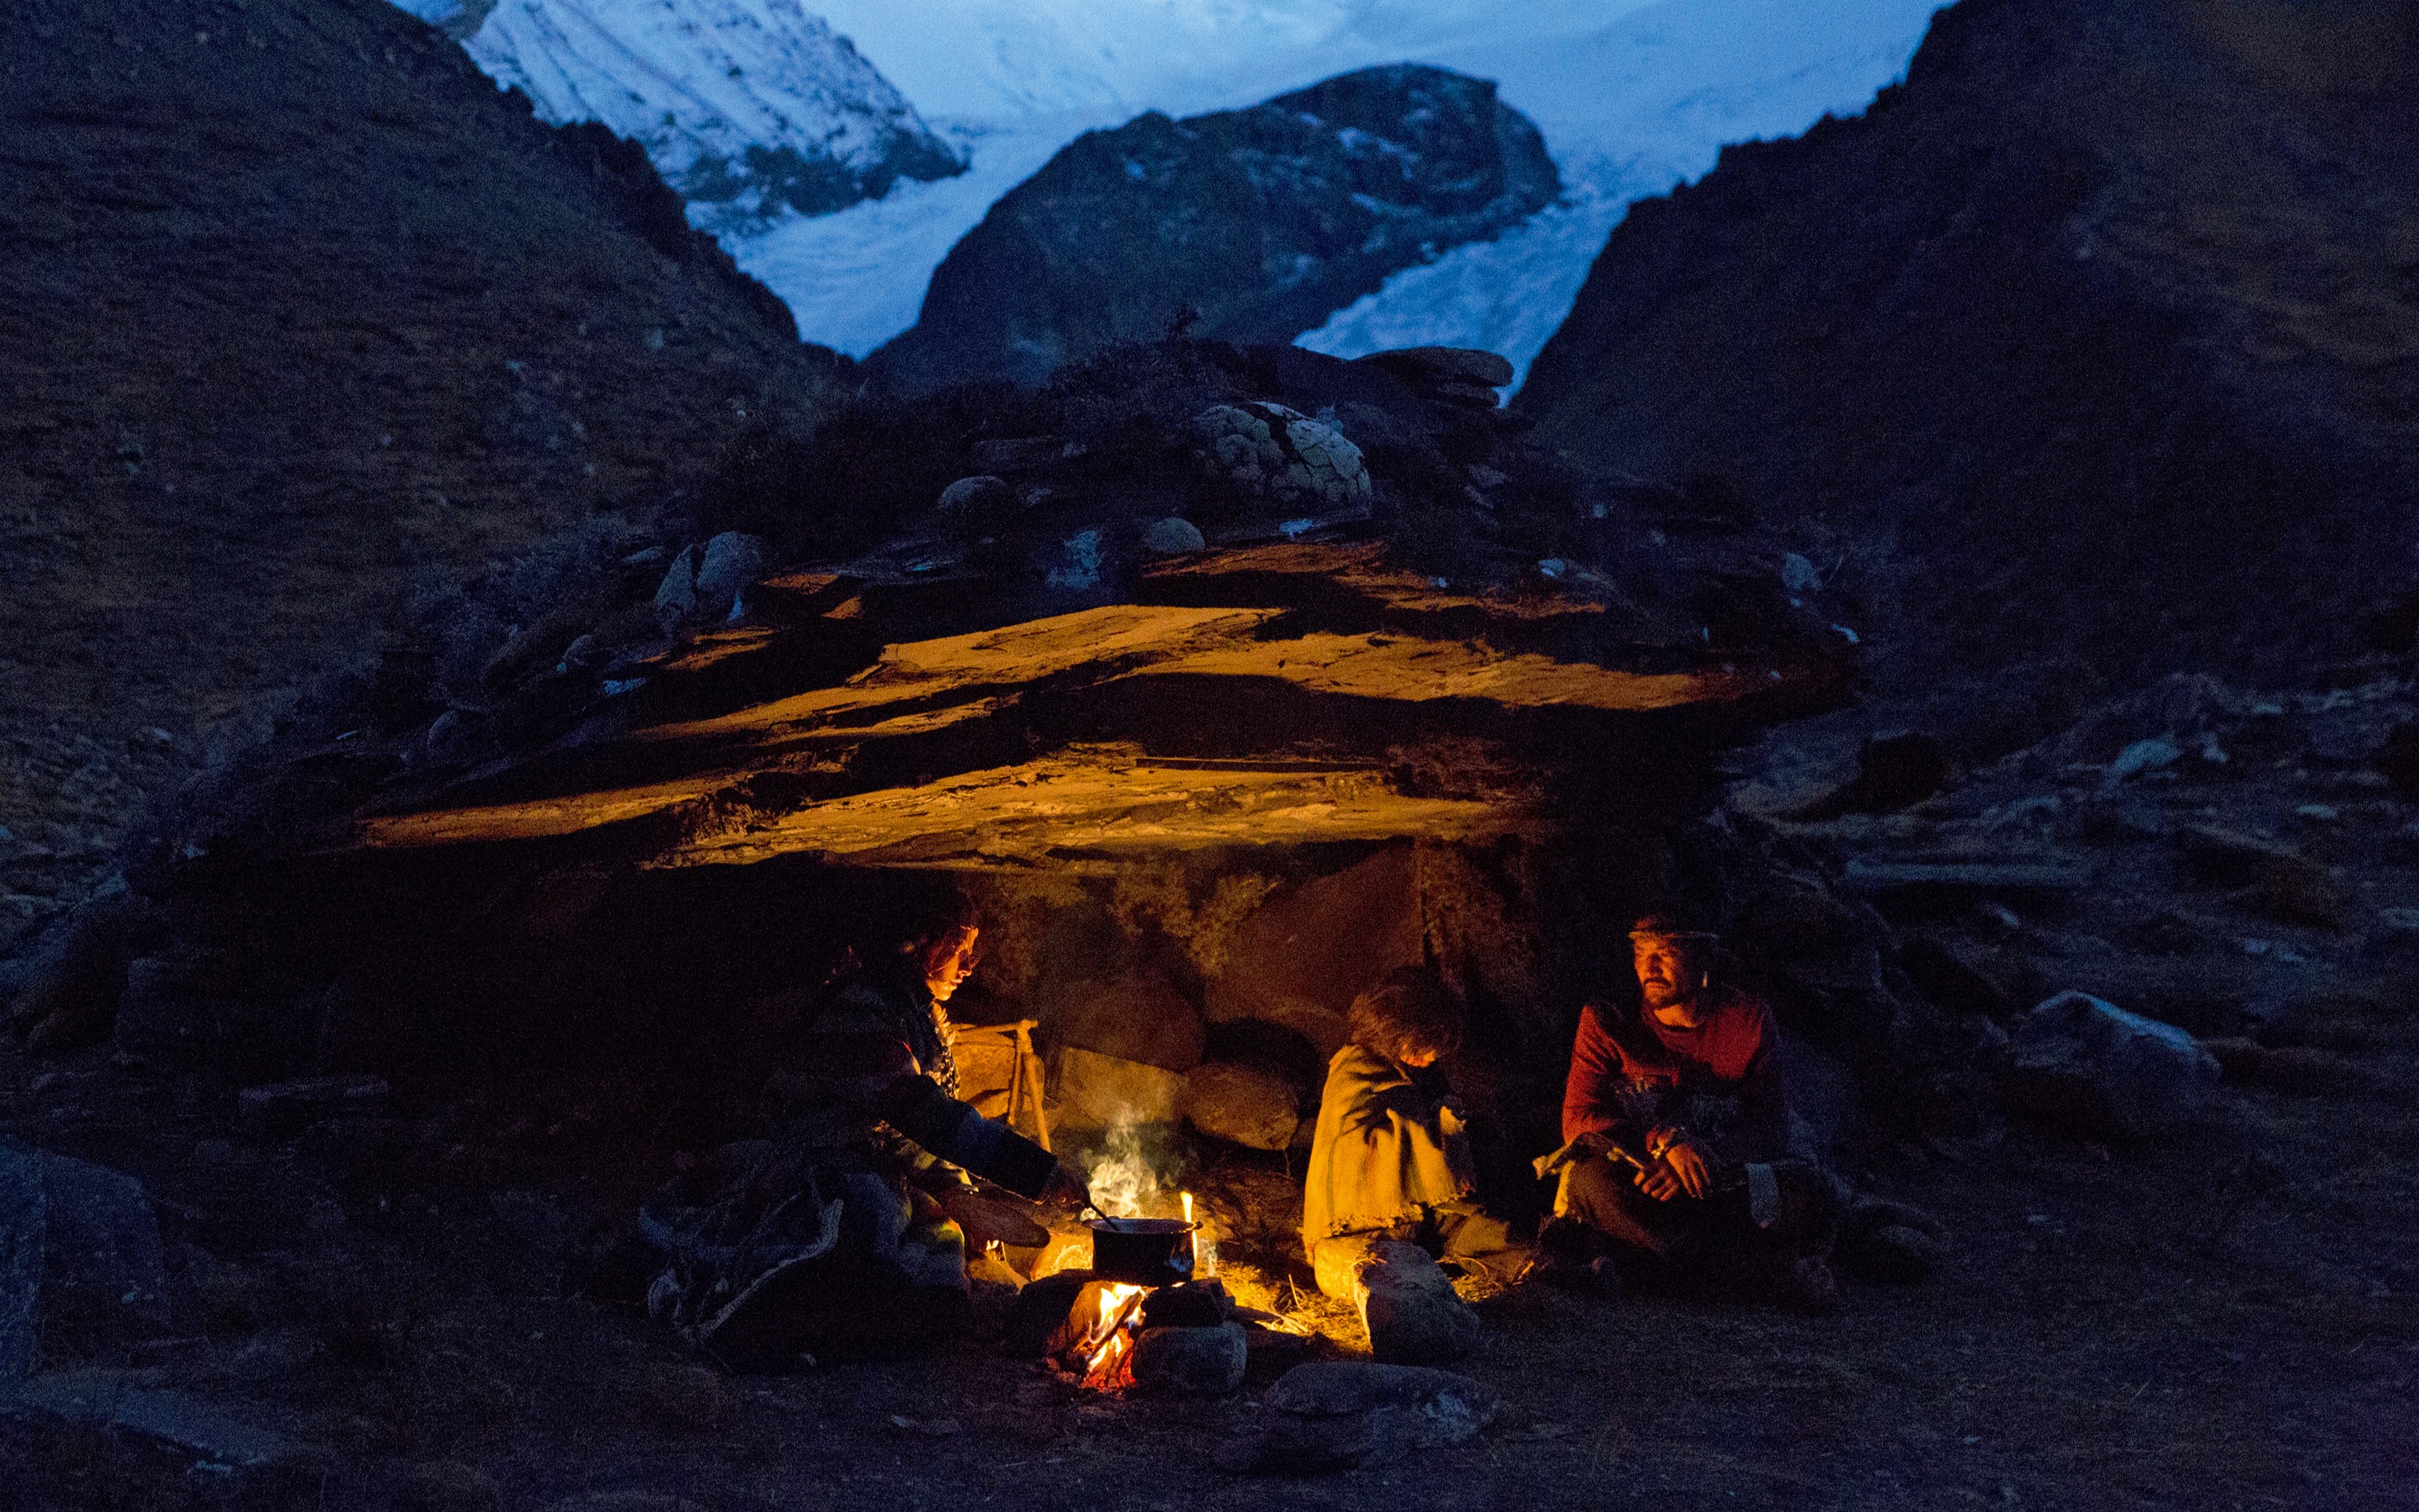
{"x": 297, "y": 314}
{"x": 1264, "y": 220}
{"x": 2097, "y": 339}
{"x": 748, "y": 106}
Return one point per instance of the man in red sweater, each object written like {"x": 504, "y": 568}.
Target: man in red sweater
{"x": 1678, "y": 1126}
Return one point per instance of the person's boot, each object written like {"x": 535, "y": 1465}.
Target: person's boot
{"x": 1570, "y": 1255}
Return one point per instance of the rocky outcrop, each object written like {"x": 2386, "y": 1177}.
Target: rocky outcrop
{"x": 1261, "y": 222}
{"x": 2095, "y": 337}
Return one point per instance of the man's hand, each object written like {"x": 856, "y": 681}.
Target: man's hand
{"x": 1683, "y": 1166}
{"x": 1451, "y": 1120}
{"x": 1066, "y": 1190}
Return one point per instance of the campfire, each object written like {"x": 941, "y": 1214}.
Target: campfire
{"x": 1145, "y": 1264}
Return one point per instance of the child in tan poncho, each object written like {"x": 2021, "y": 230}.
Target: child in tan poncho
{"x": 1390, "y": 1157}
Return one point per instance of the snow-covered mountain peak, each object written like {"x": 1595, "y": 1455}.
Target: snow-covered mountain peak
{"x": 744, "y": 105}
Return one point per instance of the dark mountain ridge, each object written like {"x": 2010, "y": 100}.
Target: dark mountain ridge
{"x": 297, "y": 311}
{"x": 2099, "y": 338}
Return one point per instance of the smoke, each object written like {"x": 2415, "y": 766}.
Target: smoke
{"x": 1125, "y": 1171}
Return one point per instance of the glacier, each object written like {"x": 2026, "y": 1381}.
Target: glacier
{"x": 1633, "y": 97}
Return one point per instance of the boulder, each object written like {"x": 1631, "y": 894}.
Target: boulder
{"x": 1266, "y": 451}
{"x": 732, "y": 563}
{"x": 1098, "y": 1092}
{"x": 2093, "y": 1066}
{"x": 1200, "y": 1362}
{"x": 1258, "y": 222}
{"x": 79, "y": 1256}
{"x": 1139, "y": 1016}
{"x": 1464, "y": 365}
{"x": 2272, "y": 878}
{"x": 1173, "y": 537}
{"x": 1303, "y": 955}
{"x": 114, "y": 1402}
{"x": 1407, "y": 1305}
{"x": 676, "y": 595}
{"x": 1453, "y": 1406}
{"x": 1251, "y": 1105}
{"x": 1333, "y": 1414}
{"x": 70, "y": 995}
{"x": 978, "y": 506}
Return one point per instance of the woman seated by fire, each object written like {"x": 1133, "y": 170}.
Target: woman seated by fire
{"x": 1390, "y": 1158}
{"x": 844, "y": 1235}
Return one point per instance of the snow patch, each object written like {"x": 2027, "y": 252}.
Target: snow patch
{"x": 745, "y": 105}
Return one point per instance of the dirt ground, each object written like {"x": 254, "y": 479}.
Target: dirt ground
{"x": 2225, "y": 1318}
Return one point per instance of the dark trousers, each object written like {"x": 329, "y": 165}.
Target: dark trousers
{"x": 1711, "y": 1239}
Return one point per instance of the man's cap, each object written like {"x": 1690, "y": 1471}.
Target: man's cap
{"x": 1665, "y": 927}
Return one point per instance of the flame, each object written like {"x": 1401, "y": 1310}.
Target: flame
{"x": 1104, "y": 1365}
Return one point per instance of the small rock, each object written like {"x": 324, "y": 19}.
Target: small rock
{"x": 1202, "y": 1361}
{"x": 1040, "y": 1311}
{"x": 2143, "y": 756}
{"x": 1334, "y": 1414}
{"x": 1251, "y": 1105}
{"x": 73, "y": 993}
{"x": 1407, "y": 1305}
{"x": 1189, "y": 1305}
{"x": 130, "y": 1404}
{"x": 2275, "y": 879}
{"x": 2091, "y": 1064}
{"x": 1173, "y": 537}
{"x": 2303, "y": 1069}
{"x": 284, "y": 1108}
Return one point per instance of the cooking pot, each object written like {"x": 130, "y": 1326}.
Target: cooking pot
{"x": 1142, "y": 1252}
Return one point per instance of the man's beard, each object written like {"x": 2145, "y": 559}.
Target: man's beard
{"x": 1662, "y": 993}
